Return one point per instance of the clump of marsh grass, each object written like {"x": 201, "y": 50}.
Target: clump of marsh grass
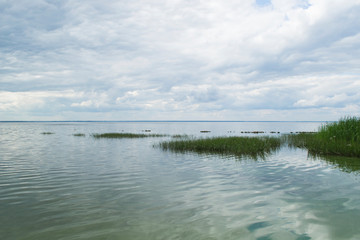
{"x": 79, "y": 134}
{"x": 340, "y": 138}
{"x": 126, "y": 135}
{"x": 178, "y": 136}
{"x": 47, "y": 133}
{"x": 253, "y": 132}
{"x": 253, "y": 147}
{"x": 346, "y": 129}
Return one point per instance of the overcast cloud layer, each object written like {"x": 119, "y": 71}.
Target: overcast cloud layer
{"x": 179, "y": 59}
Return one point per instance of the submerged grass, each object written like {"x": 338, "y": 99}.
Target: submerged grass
{"x": 125, "y": 135}
{"x": 340, "y": 138}
{"x": 241, "y": 146}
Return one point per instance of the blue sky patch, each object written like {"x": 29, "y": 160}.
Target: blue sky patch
{"x": 263, "y": 2}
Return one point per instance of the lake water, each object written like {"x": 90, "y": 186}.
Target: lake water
{"x": 60, "y": 186}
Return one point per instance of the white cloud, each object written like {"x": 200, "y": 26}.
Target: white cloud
{"x": 93, "y": 100}
{"x": 178, "y": 58}
{"x": 20, "y": 101}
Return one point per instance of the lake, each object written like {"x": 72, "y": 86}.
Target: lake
{"x": 61, "y": 186}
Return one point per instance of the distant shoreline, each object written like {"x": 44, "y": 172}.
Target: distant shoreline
{"x": 152, "y": 121}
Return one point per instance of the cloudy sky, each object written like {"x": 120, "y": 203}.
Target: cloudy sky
{"x": 179, "y": 59}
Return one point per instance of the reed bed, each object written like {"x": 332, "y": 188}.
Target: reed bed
{"x": 126, "y": 135}
{"x": 340, "y": 138}
{"x": 241, "y": 146}
{"x": 347, "y": 129}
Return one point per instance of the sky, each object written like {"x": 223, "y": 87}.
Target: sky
{"x": 246, "y": 60}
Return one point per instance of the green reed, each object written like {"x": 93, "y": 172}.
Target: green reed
{"x": 47, "y": 133}
{"x": 240, "y": 146}
{"x": 126, "y": 135}
{"x": 79, "y": 135}
{"x": 347, "y": 129}
{"x": 340, "y": 138}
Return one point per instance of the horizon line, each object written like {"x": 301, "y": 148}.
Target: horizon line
{"x": 166, "y": 121}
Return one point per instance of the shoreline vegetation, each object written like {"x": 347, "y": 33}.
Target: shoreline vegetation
{"x": 341, "y": 138}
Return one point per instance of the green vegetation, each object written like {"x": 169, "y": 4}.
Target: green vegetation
{"x": 180, "y": 136}
{"x": 126, "y": 135}
{"x": 241, "y": 146}
{"x": 47, "y": 133}
{"x": 79, "y": 134}
{"x": 347, "y": 129}
{"x": 340, "y": 138}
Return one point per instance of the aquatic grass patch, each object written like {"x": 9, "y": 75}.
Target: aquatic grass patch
{"x": 346, "y": 129}
{"x": 340, "y": 138}
{"x": 241, "y": 146}
{"x": 253, "y": 132}
{"x": 181, "y": 136}
{"x": 316, "y": 144}
{"x": 79, "y": 135}
{"x": 126, "y": 135}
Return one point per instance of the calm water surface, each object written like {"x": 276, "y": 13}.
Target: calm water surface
{"x": 60, "y": 186}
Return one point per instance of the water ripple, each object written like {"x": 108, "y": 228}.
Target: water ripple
{"x": 62, "y": 187}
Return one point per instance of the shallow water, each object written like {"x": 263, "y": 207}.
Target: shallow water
{"x": 60, "y": 186}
